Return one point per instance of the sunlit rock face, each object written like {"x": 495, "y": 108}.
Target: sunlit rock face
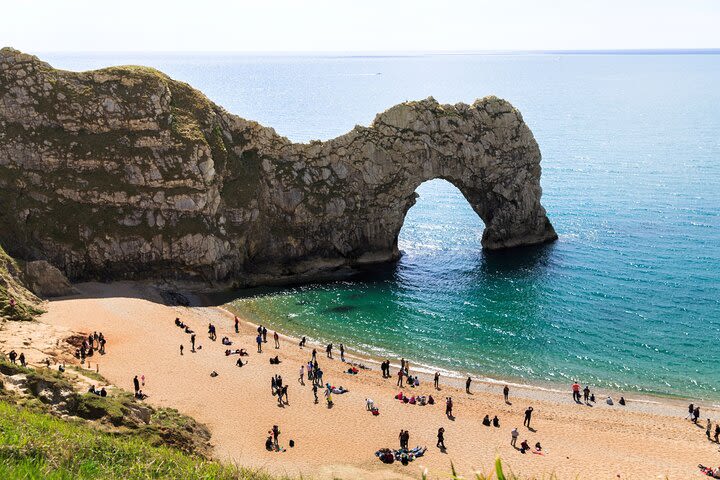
{"x": 126, "y": 173}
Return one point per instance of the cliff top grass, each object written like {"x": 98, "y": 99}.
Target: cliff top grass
{"x": 38, "y": 445}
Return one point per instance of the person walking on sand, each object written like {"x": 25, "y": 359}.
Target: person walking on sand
{"x": 528, "y": 416}
{"x": 717, "y": 432}
{"x": 314, "y": 355}
{"x": 586, "y": 394}
{"x": 301, "y": 379}
{"x": 696, "y": 415}
{"x": 514, "y": 434}
{"x": 264, "y": 334}
{"x": 449, "y": 407}
{"x": 328, "y": 350}
{"x": 181, "y": 348}
{"x": 258, "y": 340}
{"x": 342, "y": 352}
{"x": 276, "y": 337}
{"x": 400, "y": 378}
{"x": 192, "y": 342}
{"x": 441, "y": 439}
{"x": 506, "y": 393}
{"x": 691, "y": 410}
{"x": 136, "y": 384}
{"x": 314, "y": 390}
{"x": 467, "y": 384}
{"x": 237, "y": 324}
{"x": 437, "y": 380}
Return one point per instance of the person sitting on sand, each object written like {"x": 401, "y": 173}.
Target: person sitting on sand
{"x": 592, "y": 397}
{"x": 524, "y": 446}
{"x": 609, "y": 401}
{"x": 302, "y": 342}
{"x": 496, "y": 422}
{"x": 486, "y": 421}
{"x": 213, "y": 374}
{"x": 103, "y": 392}
{"x": 622, "y": 401}
{"x": 226, "y": 341}
{"x": 275, "y": 360}
{"x": 240, "y": 363}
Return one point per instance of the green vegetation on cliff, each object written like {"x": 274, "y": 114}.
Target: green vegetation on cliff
{"x": 26, "y": 304}
{"x": 38, "y": 445}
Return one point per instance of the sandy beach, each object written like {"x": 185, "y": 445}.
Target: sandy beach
{"x": 645, "y": 439}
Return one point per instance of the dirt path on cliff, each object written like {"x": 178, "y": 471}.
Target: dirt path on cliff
{"x": 642, "y": 440}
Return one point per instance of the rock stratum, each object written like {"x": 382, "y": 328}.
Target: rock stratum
{"x": 126, "y": 173}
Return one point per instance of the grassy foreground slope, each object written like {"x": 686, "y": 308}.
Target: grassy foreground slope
{"x": 40, "y": 446}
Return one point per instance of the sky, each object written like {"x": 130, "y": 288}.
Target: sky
{"x": 38, "y": 26}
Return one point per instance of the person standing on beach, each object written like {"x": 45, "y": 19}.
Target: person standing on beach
{"x": 708, "y": 428}
{"x": 237, "y": 324}
{"x": 276, "y": 337}
{"x": 314, "y": 355}
{"x": 437, "y": 380}
{"x": 264, "y": 334}
{"x": 717, "y": 432}
{"x": 696, "y": 415}
{"x": 342, "y": 352}
{"x": 691, "y": 410}
{"x": 467, "y": 384}
{"x": 192, "y": 342}
{"x": 258, "y": 340}
{"x": 302, "y": 375}
{"x": 449, "y": 407}
{"x": 23, "y": 362}
{"x": 328, "y": 350}
{"x": 506, "y": 393}
{"x": 181, "y": 348}
{"x": 302, "y": 342}
{"x": 400, "y": 378}
{"x": 586, "y": 393}
{"x": 314, "y": 390}
{"x": 576, "y": 392}
{"x": 136, "y": 384}
{"x": 441, "y": 439}
{"x": 528, "y": 416}
{"x": 514, "y": 434}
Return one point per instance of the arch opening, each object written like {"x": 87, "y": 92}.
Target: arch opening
{"x": 442, "y": 221}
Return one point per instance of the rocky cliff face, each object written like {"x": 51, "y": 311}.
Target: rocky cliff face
{"x": 124, "y": 172}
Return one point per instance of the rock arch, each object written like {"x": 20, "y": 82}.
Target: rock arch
{"x": 124, "y": 172}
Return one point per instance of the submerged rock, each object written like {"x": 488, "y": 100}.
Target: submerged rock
{"x": 126, "y": 173}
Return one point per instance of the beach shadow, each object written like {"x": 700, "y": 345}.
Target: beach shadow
{"x": 451, "y": 417}
{"x": 443, "y": 450}
{"x": 507, "y": 402}
{"x": 532, "y": 429}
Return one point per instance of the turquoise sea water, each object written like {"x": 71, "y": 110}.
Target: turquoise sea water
{"x": 628, "y": 298}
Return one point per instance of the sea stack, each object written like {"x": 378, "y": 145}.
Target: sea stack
{"x": 126, "y": 173}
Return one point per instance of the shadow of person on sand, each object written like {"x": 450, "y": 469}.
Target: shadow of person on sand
{"x": 533, "y": 430}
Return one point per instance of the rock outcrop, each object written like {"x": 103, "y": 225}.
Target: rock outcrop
{"x": 124, "y": 172}
{"x": 45, "y": 280}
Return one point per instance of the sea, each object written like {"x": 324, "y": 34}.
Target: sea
{"x": 628, "y": 298}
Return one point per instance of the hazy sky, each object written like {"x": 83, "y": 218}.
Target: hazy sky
{"x": 360, "y": 25}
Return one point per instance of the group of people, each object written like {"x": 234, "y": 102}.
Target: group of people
{"x": 102, "y": 392}
{"x": 710, "y": 433}
{"x": 281, "y": 390}
{"x": 93, "y": 342}
{"x": 14, "y": 358}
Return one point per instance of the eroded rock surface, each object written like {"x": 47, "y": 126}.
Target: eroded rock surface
{"x": 124, "y": 172}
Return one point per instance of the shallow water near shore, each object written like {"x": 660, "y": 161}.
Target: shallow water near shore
{"x": 627, "y": 299}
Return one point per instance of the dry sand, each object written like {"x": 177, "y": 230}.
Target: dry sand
{"x": 646, "y": 439}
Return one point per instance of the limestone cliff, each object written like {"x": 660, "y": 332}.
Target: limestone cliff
{"x": 124, "y": 172}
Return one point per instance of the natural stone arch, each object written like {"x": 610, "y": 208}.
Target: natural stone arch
{"x": 124, "y": 172}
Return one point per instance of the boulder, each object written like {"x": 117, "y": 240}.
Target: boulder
{"x": 46, "y": 280}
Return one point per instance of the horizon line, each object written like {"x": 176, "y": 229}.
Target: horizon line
{"x": 390, "y": 53}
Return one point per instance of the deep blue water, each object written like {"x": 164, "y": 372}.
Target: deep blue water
{"x": 628, "y": 298}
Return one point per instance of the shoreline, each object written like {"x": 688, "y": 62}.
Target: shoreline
{"x": 457, "y": 378}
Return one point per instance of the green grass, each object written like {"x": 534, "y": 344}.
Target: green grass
{"x": 37, "y": 445}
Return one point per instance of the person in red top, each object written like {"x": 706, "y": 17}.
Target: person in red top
{"x": 576, "y": 392}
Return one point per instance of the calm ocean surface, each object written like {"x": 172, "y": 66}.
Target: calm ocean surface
{"x": 628, "y": 298}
